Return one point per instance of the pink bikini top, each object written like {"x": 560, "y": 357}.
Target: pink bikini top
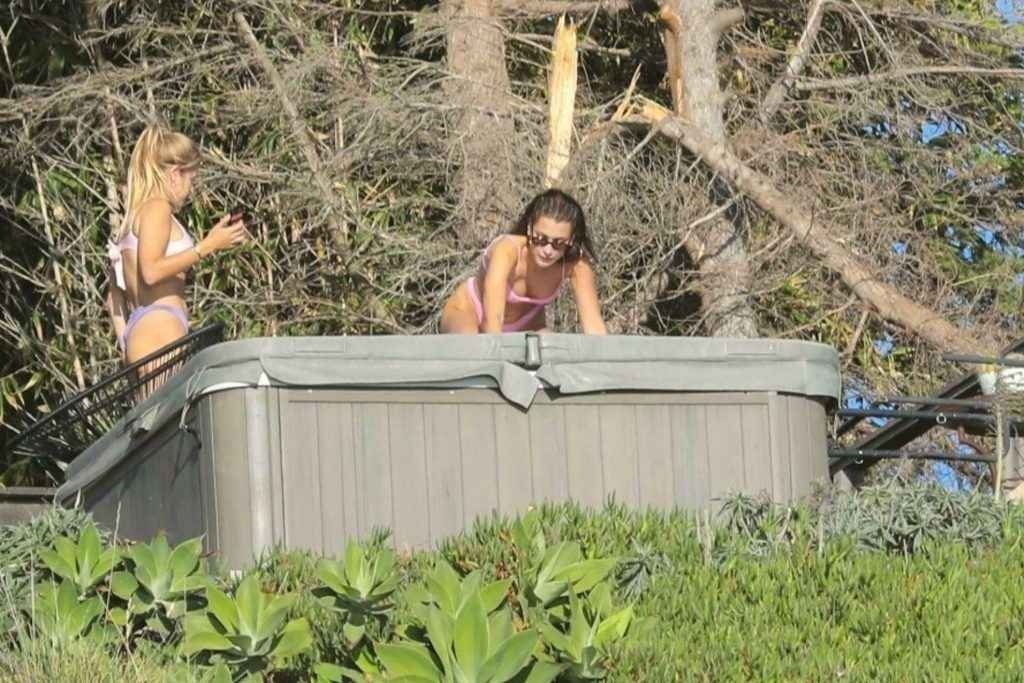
{"x": 511, "y": 296}
{"x": 131, "y": 242}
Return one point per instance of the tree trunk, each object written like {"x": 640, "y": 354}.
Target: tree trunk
{"x": 692, "y": 30}
{"x": 815, "y": 236}
{"x": 483, "y": 126}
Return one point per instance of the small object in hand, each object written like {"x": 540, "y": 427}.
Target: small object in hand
{"x": 236, "y": 216}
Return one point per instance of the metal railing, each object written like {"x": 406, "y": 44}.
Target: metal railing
{"x": 81, "y": 420}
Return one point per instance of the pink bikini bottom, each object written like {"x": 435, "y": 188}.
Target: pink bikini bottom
{"x": 507, "y": 327}
{"x": 141, "y": 312}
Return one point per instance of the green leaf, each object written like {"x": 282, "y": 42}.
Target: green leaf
{"x": 57, "y": 564}
{"x": 295, "y": 638}
{"x": 510, "y": 657}
{"x": 272, "y": 615}
{"x": 118, "y": 616}
{"x": 249, "y": 601}
{"x": 223, "y": 608}
{"x": 408, "y": 659}
{"x": 123, "y": 585}
{"x": 440, "y": 632}
{"x": 200, "y": 635}
{"x": 88, "y": 547}
{"x": 586, "y": 574}
{"x": 67, "y": 550}
{"x": 614, "y": 627}
{"x": 185, "y": 558}
{"x": 217, "y": 674}
{"x": 493, "y": 594}
{"x": 353, "y": 562}
{"x": 331, "y": 673}
{"x": 472, "y": 636}
{"x": 544, "y": 672}
{"x": 444, "y": 587}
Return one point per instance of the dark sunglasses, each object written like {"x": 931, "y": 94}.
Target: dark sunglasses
{"x": 543, "y": 240}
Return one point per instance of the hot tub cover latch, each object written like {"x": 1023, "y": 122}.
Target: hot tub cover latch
{"x": 533, "y": 359}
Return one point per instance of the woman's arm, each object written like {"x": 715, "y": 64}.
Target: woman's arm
{"x": 584, "y": 288}
{"x": 155, "y": 232}
{"x": 503, "y": 258}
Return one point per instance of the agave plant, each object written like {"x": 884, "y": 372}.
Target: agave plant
{"x": 84, "y": 563}
{"x": 61, "y": 616}
{"x": 445, "y": 590}
{"x": 159, "y": 586}
{"x": 249, "y": 632}
{"x": 470, "y": 647}
{"x": 360, "y": 589}
{"x": 581, "y": 645}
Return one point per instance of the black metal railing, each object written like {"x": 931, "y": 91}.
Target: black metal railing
{"x": 81, "y": 420}
{"x": 957, "y": 405}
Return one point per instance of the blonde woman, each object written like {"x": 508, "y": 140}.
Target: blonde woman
{"x": 152, "y": 251}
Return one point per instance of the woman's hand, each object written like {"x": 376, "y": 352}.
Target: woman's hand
{"x": 226, "y": 234}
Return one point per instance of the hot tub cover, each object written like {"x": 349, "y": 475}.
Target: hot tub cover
{"x": 567, "y": 363}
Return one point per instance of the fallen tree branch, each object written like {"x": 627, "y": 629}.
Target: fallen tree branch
{"x": 813, "y": 235}
{"x": 585, "y": 45}
{"x": 299, "y": 130}
{"x": 540, "y": 8}
{"x": 28, "y": 97}
{"x": 808, "y": 84}
{"x": 796, "y": 64}
{"x": 726, "y": 19}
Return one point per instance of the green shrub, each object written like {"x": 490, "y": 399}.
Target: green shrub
{"x": 892, "y": 583}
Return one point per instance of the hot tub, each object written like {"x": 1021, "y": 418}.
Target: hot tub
{"x": 309, "y": 442}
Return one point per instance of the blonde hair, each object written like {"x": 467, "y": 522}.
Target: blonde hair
{"x": 158, "y": 150}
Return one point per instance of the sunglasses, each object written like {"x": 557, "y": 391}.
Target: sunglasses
{"x": 558, "y": 243}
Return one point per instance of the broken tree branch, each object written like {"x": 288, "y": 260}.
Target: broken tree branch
{"x": 814, "y": 236}
{"x": 561, "y": 100}
{"x": 725, "y": 19}
{"x": 795, "y": 67}
{"x": 672, "y": 27}
{"x": 808, "y": 84}
{"x": 586, "y": 44}
{"x": 299, "y": 130}
{"x": 540, "y": 8}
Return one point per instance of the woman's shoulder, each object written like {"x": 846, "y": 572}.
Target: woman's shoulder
{"x": 512, "y": 244}
{"x": 153, "y": 212}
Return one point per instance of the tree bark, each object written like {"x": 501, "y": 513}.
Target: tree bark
{"x": 483, "y": 126}
{"x": 924, "y": 322}
{"x": 691, "y": 32}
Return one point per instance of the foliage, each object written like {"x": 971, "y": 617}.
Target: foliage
{"x": 847, "y": 585}
{"x": 360, "y": 588}
{"x": 20, "y": 565}
{"x": 469, "y": 637}
{"x": 83, "y": 564}
{"x": 250, "y": 632}
{"x": 158, "y": 586}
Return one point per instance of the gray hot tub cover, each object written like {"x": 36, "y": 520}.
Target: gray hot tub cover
{"x": 568, "y": 363}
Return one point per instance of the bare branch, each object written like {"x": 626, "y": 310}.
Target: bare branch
{"x": 813, "y": 235}
{"x": 299, "y": 130}
{"x": 540, "y": 8}
{"x": 726, "y": 19}
{"x": 808, "y": 84}
{"x": 586, "y": 44}
{"x": 796, "y": 63}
